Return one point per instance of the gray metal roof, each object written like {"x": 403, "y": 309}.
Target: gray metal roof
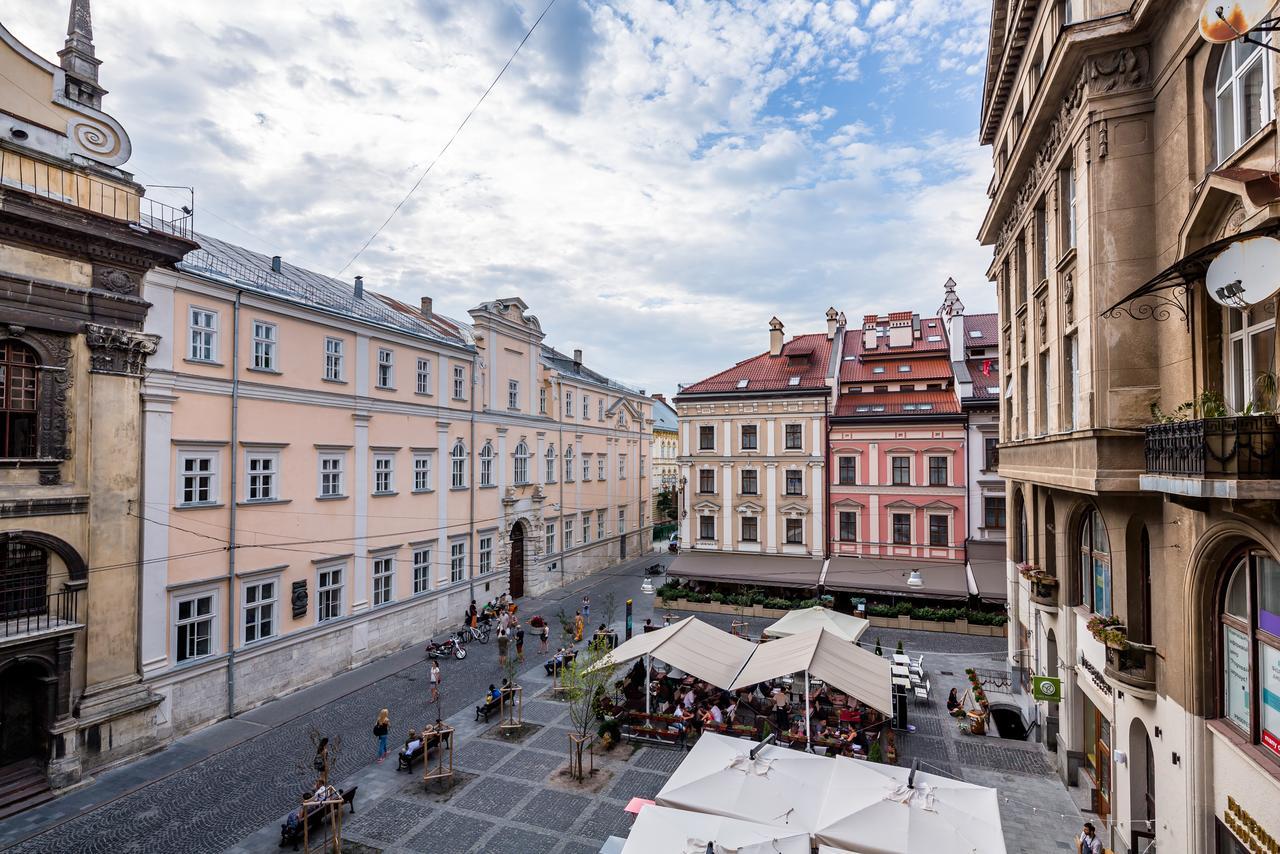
{"x": 664, "y": 417}
{"x": 565, "y": 365}
{"x": 230, "y": 264}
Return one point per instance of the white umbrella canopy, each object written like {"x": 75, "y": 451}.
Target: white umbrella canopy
{"x": 780, "y": 787}
{"x": 885, "y": 809}
{"x": 662, "y": 830}
{"x": 845, "y": 626}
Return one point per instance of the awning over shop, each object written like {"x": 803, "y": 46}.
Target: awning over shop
{"x": 988, "y": 573}
{"x": 761, "y": 570}
{"x": 942, "y": 580}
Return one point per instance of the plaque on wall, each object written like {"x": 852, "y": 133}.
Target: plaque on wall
{"x": 299, "y": 599}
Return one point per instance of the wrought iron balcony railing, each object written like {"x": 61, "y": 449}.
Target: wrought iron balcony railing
{"x": 1240, "y": 447}
{"x": 29, "y": 611}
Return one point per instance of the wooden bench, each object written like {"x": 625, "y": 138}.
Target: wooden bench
{"x": 488, "y": 708}
{"x": 404, "y": 763}
{"x": 314, "y": 819}
{"x": 653, "y": 735}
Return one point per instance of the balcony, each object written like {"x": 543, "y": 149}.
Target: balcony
{"x": 1132, "y": 665}
{"x": 27, "y": 612}
{"x": 1044, "y": 591}
{"x": 1233, "y": 457}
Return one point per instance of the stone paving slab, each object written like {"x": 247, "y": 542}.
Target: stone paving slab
{"x": 493, "y": 796}
{"x": 481, "y": 755}
{"x": 532, "y": 765}
{"x": 660, "y": 759}
{"x": 553, "y": 809}
{"x": 518, "y": 840}
{"x": 450, "y": 832}
{"x": 388, "y": 820}
{"x": 636, "y": 784}
{"x": 552, "y": 739}
{"x": 606, "y": 820}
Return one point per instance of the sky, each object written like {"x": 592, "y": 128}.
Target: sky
{"x": 655, "y": 178}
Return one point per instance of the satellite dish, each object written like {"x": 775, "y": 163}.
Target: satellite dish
{"x": 1227, "y": 20}
{"x": 1246, "y": 273}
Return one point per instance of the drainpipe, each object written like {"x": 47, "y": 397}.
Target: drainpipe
{"x": 471, "y": 488}
{"x": 555, "y": 398}
{"x": 231, "y": 505}
{"x": 826, "y": 479}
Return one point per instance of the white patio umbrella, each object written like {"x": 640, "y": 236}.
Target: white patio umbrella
{"x": 661, "y": 830}
{"x": 778, "y": 787}
{"x": 885, "y": 809}
{"x": 845, "y": 626}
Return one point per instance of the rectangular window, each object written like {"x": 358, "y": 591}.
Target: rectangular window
{"x": 195, "y": 628}
{"x": 264, "y": 345}
{"x": 586, "y": 527}
{"x": 422, "y": 473}
{"x": 568, "y": 533}
{"x": 750, "y": 482}
{"x": 902, "y": 529}
{"x": 458, "y": 467}
{"x": 622, "y": 521}
{"x": 938, "y": 530}
{"x": 568, "y": 403}
{"x": 600, "y": 464}
{"x": 795, "y": 532}
{"x": 1024, "y": 402}
{"x": 386, "y": 368}
{"x": 1020, "y": 268}
{"x": 199, "y": 484}
{"x": 622, "y": 466}
{"x": 513, "y": 394}
{"x": 901, "y": 471}
{"x": 1042, "y": 246}
{"x": 423, "y": 382}
{"x": 993, "y": 512}
{"x": 485, "y": 551}
{"x": 542, "y": 401}
{"x": 203, "y": 326}
{"x": 750, "y": 529}
{"x": 586, "y": 467}
{"x": 794, "y": 437}
{"x": 748, "y": 437}
{"x": 551, "y": 538}
{"x": 795, "y": 483}
{"x": 848, "y": 526}
{"x": 937, "y": 471}
{"x": 383, "y": 474}
{"x": 333, "y": 348}
{"x": 600, "y": 525}
{"x": 706, "y": 527}
{"x": 990, "y": 453}
{"x": 259, "y": 611}
{"x": 706, "y": 481}
{"x": 600, "y": 410}
{"x": 331, "y": 466}
{"x": 329, "y": 594}
{"x": 383, "y": 580}
{"x": 421, "y": 570}
{"x": 1067, "y": 176}
{"x": 1042, "y": 396}
{"x": 459, "y": 382}
{"x": 457, "y": 560}
{"x": 1070, "y": 381}
{"x": 586, "y": 407}
{"x": 848, "y": 468}
{"x": 706, "y": 437}
{"x": 263, "y": 471}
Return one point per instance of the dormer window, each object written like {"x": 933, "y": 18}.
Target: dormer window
{"x": 794, "y": 381}
{"x": 742, "y": 383}
{"x": 935, "y": 338}
{"x": 879, "y": 369}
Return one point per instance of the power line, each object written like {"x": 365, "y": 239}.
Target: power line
{"x": 425, "y": 172}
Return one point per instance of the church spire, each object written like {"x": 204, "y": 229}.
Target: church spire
{"x": 78, "y": 60}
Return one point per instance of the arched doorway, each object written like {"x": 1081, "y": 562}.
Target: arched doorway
{"x": 1053, "y": 721}
{"x": 25, "y": 713}
{"x": 515, "y": 581}
{"x": 1142, "y": 786}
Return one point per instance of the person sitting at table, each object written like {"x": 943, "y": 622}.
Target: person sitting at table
{"x": 681, "y": 721}
{"x": 712, "y": 715}
{"x": 689, "y": 699}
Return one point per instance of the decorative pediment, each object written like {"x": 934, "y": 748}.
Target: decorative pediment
{"x": 848, "y": 502}
{"x": 794, "y": 509}
{"x": 749, "y": 508}
{"x": 705, "y": 506}
{"x": 511, "y": 310}
{"x": 900, "y": 505}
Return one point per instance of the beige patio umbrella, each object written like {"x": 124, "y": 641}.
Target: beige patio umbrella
{"x": 844, "y": 626}
{"x": 662, "y": 830}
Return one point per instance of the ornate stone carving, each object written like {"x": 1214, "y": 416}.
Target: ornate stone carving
{"x": 1103, "y": 143}
{"x": 51, "y": 476}
{"x": 1233, "y": 221}
{"x": 54, "y": 351}
{"x": 1022, "y": 334}
{"x": 118, "y": 351}
{"x": 1119, "y": 71}
{"x": 1068, "y": 299}
{"x": 1042, "y": 315}
{"x": 115, "y": 280}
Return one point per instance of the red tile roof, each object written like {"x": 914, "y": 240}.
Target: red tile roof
{"x": 765, "y": 373}
{"x": 982, "y": 383}
{"x": 944, "y": 402}
{"x": 987, "y": 324}
{"x": 922, "y": 368}
{"x": 853, "y": 341}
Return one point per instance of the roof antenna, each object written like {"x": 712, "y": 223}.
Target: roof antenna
{"x": 764, "y": 741}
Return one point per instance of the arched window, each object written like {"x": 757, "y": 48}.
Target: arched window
{"x": 486, "y": 464}
{"x": 551, "y": 464}
{"x": 24, "y": 580}
{"x": 458, "y": 465}
{"x": 1095, "y": 564}
{"x": 18, "y": 372}
{"x": 568, "y": 463}
{"x": 521, "y": 466}
{"x": 1250, "y": 654}
{"x": 1020, "y": 551}
{"x": 1242, "y": 96}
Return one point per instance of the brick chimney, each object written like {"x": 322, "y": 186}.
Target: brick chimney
{"x": 775, "y": 337}
{"x": 577, "y": 358}
{"x": 426, "y": 307}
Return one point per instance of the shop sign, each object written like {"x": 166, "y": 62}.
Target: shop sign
{"x": 1254, "y": 836}
{"x": 1047, "y": 689}
{"x": 1270, "y": 660}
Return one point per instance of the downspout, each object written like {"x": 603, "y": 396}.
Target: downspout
{"x": 826, "y": 478}
{"x": 555, "y": 402}
{"x": 471, "y": 487}
{"x": 231, "y": 508}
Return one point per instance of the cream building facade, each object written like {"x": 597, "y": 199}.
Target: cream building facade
{"x": 375, "y": 465}
{"x": 1128, "y": 153}
{"x": 665, "y": 451}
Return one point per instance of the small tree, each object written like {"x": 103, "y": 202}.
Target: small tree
{"x": 899, "y": 650}
{"x": 879, "y": 651}
{"x": 583, "y": 687}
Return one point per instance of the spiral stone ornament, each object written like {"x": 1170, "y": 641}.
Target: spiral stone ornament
{"x": 95, "y": 140}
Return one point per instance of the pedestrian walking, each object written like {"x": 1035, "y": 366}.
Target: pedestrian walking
{"x": 1088, "y": 842}
{"x": 577, "y": 626}
{"x": 519, "y": 642}
{"x": 504, "y": 640}
{"x": 435, "y": 681}
{"x": 586, "y": 608}
{"x": 544, "y": 633}
{"x": 380, "y": 729}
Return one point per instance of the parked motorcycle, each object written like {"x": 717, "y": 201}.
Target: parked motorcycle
{"x": 655, "y": 569}
{"x": 445, "y": 648}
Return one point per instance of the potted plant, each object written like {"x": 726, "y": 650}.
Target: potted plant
{"x": 1108, "y": 630}
{"x": 1029, "y": 571}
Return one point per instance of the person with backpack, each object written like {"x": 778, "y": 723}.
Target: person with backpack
{"x": 380, "y": 730}
{"x": 435, "y": 681}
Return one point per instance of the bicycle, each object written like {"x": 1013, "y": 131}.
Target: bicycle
{"x": 470, "y": 633}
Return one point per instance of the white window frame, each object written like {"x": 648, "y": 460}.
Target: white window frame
{"x": 458, "y": 466}
{"x": 459, "y": 382}
{"x": 422, "y": 568}
{"x": 786, "y": 538}
{"x": 552, "y": 464}
{"x": 600, "y": 409}
{"x": 486, "y": 464}
{"x": 254, "y": 480}
{"x": 251, "y": 613}
{"x": 384, "y": 473}
{"x": 457, "y": 560}
{"x": 622, "y": 466}
{"x": 211, "y": 618}
{"x": 385, "y": 369}
{"x": 1234, "y": 86}
{"x": 551, "y": 537}
{"x": 586, "y": 467}
{"x": 568, "y": 403}
{"x": 520, "y": 464}
{"x": 327, "y": 591}
{"x": 542, "y": 401}
{"x": 383, "y": 589}
{"x": 1248, "y": 371}
{"x": 586, "y": 406}
{"x": 513, "y": 394}
{"x": 622, "y": 520}
{"x": 203, "y": 348}
{"x": 568, "y": 463}
{"x": 484, "y": 554}
{"x": 586, "y": 527}
{"x": 422, "y": 470}
{"x": 424, "y": 376}
{"x": 567, "y": 523}
{"x": 339, "y": 474}
{"x": 601, "y": 461}
{"x": 334, "y": 358}
{"x": 183, "y": 475}
{"x": 601, "y": 532}
{"x": 265, "y": 335}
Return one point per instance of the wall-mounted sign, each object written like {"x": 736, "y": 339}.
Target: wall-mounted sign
{"x": 298, "y": 598}
{"x": 1247, "y": 829}
{"x": 1047, "y": 689}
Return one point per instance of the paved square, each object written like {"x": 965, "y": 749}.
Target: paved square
{"x": 1002, "y": 758}
{"x": 552, "y": 739}
{"x": 659, "y": 759}
{"x": 388, "y": 820}
{"x": 637, "y": 784}
{"x": 492, "y": 796}
{"x": 554, "y": 810}
{"x": 450, "y": 832}
{"x": 481, "y": 754}
{"x": 517, "y": 840}
{"x": 544, "y": 711}
{"x": 606, "y": 820}
{"x": 532, "y": 765}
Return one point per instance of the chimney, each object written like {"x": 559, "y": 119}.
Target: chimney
{"x": 869, "y": 322}
{"x": 359, "y": 287}
{"x": 900, "y": 331}
{"x": 775, "y": 337}
{"x": 577, "y": 358}
{"x": 833, "y": 320}
{"x": 426, "y": 307}
{"x": 275, "y": 263}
